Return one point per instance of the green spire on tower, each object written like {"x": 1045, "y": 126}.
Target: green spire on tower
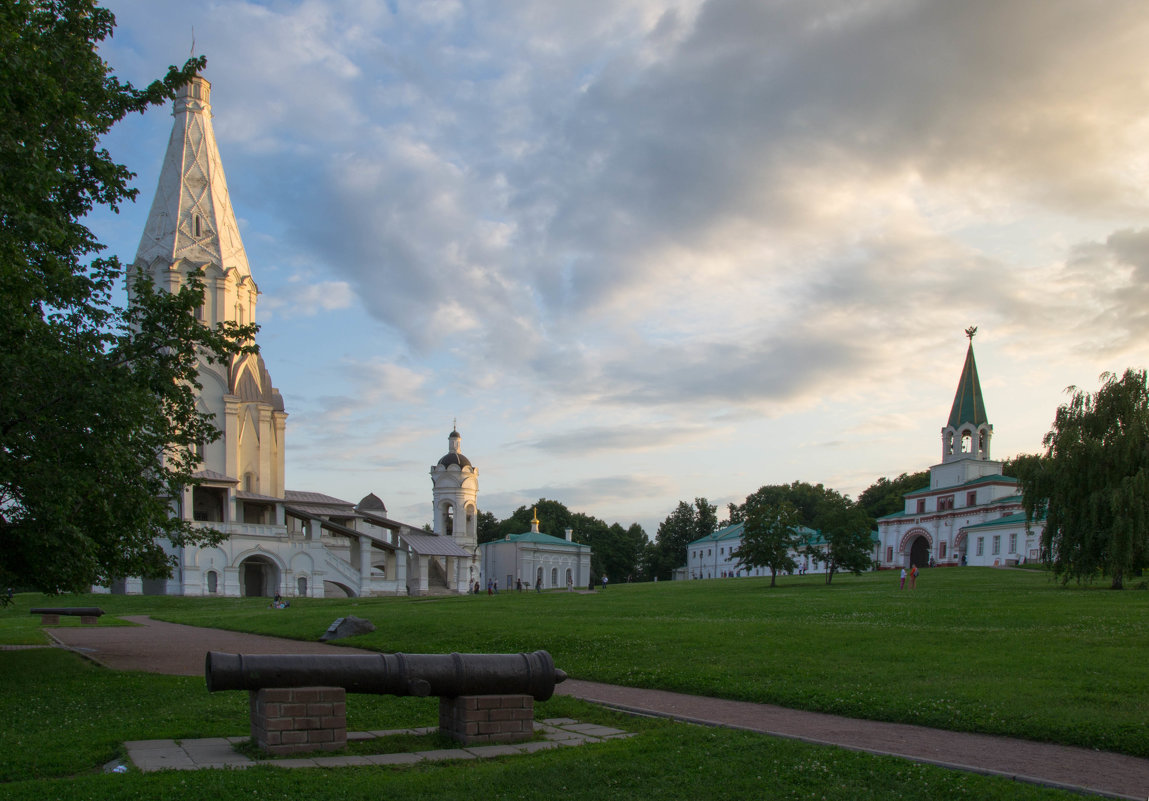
{"x": 969, "y": 407}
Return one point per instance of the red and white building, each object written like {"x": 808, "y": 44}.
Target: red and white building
{"x": 970, "y": 513}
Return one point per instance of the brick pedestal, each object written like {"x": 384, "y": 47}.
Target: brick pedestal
{"x": 291, "y": 720}
{"x": 478, "y": 719}
{"x": 89, "y": 620}
{"x": 49, "y": 620}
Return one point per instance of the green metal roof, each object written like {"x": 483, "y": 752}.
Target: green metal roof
{"x": 808, "y": 535}
{"x": 968, "y": 404}
{"x": 537, "y": 538}
{"x": 994, "y": 479}
{"x": 1008, "y": 520}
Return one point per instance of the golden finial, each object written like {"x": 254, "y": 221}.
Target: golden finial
{"x": 534, "y": 515}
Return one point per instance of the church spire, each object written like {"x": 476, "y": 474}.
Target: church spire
{"x": 191, "y": 216}
{"x": 968, "y": 431}
{"x": 969, "y": 407}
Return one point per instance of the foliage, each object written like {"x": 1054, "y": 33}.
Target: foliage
{"x": 684, "y": 525}
{"x": 886, "y": 496}
{"x": 92, "y": 394}
{"x": 1092, "y": 484}
{"x": 488, "y": 527}
{"x": 845, "y": 530}
{"x": 769, "y": 534}
{"x": 615, "y": 551}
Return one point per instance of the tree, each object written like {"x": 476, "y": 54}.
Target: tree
{"x": 769, "y": 535}
{"x": 488, "y": 527}
{"x": 845, "y": 530}
{"x": 1092, "y": 484}
{"x": 98, "y": 423}
{"x": 554, "y": 519}
{"x": 684, "y": 525}
{"x": 886, "y": 496}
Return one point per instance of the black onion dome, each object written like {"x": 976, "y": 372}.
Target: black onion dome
{"x": 455, "y": 458}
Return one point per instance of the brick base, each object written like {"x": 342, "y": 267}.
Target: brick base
{"x": 477, "y": 719}
{"x": 89, "y": 620}
{"x": 294, "y": 719}
{"x": 49, "y": 620}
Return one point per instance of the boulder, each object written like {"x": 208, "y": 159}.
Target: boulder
{"x": 347, "y": 627}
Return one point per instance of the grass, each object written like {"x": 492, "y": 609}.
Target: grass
{"x": 65, "y": 718}
{"x": 977, "y": 649}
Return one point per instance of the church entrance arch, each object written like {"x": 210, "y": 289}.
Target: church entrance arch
{"x": 258, "y": 577}
{"x": 920, "y": 552}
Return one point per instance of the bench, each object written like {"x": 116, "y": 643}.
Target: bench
{"x": 89, "y": 615}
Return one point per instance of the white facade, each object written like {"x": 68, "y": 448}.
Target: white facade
{"x": 970, "y": 513}
{"x": 537, "y": 560}
{"x": 455, "y": 489}
{"x": 291, "y": 543}
{"x": 713, "y": 556}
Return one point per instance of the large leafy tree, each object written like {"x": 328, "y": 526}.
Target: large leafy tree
{"x": 845, "y": 530}
{"x": 98, "y": 424}
{"x": 688, "y": 522}
{"x": 769, "y": 535}
{"x": 886, "y": 496}
{"x": 1092, "y": 484}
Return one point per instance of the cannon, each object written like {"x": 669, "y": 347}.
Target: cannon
{"x": 444, "y": 675}
{"x": 50, "y": 616}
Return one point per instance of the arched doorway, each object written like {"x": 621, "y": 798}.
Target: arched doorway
{"x": 920, "y": 552}
{"x": 258, "y": 576}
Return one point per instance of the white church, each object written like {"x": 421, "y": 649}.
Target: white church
{"x": 290, "y": 542}
{"x": 970, "y": 514}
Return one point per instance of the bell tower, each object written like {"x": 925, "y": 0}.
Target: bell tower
{"x": 455, "y": 483}
{"x": 192, "y": 226}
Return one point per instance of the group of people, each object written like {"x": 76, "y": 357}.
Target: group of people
{"x": 493, "y": 585}
{"x": 913, "y": 575}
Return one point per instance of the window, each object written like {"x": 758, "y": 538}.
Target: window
{"x": 889, "y": 553}
{"x": 966, "y": 442}
{"x": 996, "y": 544}
{"x": 212, "y": 582}
{"x": 921, "y": 506}
{"x": 941, "y": 550}
{"x": 197, "y": 225}
{"x": 971, "y": 499}
{"x": 301, "y": 586}
{"x": 980, "y": 546}
{"x": 945, "y": 502}
{"x": 1013, "y": 543}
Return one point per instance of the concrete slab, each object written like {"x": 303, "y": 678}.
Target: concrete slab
{"x": 444, "y": 754}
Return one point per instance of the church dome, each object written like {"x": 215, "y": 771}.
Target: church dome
{"x": 455, "y": 458}
{"x": 453, "y": 455}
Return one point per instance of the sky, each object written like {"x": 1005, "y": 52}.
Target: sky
{"x": 644, "y": 251}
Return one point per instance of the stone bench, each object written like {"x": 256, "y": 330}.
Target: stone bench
{"x": 89, "y": 615}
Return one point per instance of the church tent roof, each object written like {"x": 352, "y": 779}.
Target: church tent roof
{"x": 969, "y": 407}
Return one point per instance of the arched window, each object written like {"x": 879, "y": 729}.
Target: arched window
{"x": 554, "y": 576}
{"x": 966, "y": 442}
{"x": 212, "y": 582}
{"x": 301, "y": 586}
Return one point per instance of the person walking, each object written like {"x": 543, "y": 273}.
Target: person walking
{"x": 902, "y": 586}
{"x": 604, "y": 582}
{"x": 914, "y": 577}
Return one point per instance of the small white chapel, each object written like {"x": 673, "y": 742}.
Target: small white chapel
{"x": 279, "y": 541}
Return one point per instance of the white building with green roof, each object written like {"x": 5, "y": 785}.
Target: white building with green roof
{"x": 536, "y": 559}
{"x": 970, "y": 513}
{"x": 712, "y": 556}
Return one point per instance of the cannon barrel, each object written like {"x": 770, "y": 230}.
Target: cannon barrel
{"x": 446, "y": 675}
{"x": 74, "y": 611}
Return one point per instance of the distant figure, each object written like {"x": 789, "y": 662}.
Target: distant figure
{"x": 490, "y": 587}
{"x": 604, "y": 579}
{"x": 902, "y": 586}
{"x": 496, "y": 586}
{"x": 963, "y": 560}
{"x": 914, "y": 577}
{"x": 518, "y": 585}
{"x": 570, "y": 583}
{"x": 539, "y": 584}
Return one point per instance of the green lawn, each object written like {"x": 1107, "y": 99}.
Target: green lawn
{"x": 987, "y": 650}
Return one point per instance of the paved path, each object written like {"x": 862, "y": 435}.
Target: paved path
{"x": 170, "y": 648}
